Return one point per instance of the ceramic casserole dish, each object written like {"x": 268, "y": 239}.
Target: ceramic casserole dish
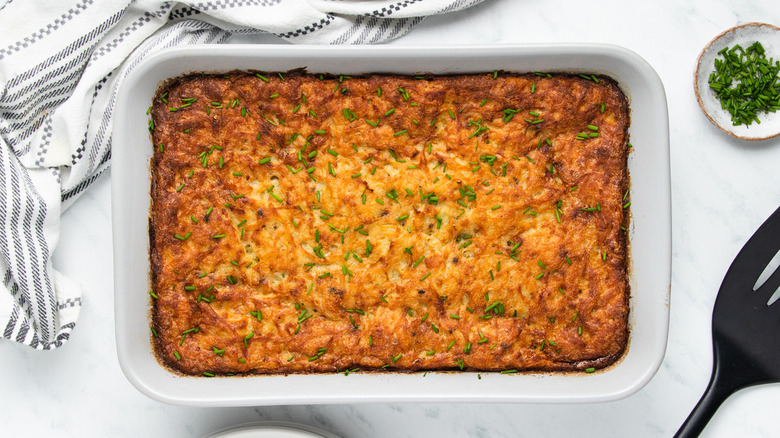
{"x": 649, "y": 232}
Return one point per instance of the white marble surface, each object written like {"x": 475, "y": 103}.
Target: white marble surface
{"x": 722, "y": 190}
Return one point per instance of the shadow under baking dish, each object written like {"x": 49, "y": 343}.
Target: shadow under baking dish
{"x": 649, "y": 234}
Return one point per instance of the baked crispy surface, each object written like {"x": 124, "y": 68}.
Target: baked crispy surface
{"x": 469, "y": 229}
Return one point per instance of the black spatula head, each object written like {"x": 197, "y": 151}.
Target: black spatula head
{"x": 742, "y": 317}
{"x": 746, "y": 345}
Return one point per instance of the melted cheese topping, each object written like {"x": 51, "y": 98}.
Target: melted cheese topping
{"x": 305, "y": 224}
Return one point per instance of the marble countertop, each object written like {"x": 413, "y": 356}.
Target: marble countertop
{"x": 722, "y": 190}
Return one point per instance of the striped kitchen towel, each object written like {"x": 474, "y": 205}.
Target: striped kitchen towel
{"x": 61, "y": 63}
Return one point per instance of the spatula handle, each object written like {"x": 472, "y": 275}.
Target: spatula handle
{"x": 709, "y": 403}
{"x": 731, "y": 371}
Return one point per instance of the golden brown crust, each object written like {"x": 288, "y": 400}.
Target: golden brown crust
{"x": 469, "y": 229}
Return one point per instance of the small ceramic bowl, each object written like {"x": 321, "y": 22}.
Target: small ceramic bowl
{"x": 272, "y": 429}
{"x": 744, "y": 35}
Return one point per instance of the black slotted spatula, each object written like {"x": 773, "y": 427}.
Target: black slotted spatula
{"x": 745, "y": 341}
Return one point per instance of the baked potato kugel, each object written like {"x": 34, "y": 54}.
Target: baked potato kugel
{"x": 310, "y": 223}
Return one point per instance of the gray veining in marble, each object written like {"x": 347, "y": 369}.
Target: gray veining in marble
{"x": 723, "y": 189}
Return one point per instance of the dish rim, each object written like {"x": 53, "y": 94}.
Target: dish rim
{"x": 618, "y": 381}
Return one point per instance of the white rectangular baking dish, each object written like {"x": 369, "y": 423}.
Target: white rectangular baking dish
{"x": 650, "y": 232}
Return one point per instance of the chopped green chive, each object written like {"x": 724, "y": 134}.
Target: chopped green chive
{"x": 509, "y": 113}
{"x": 185, "y": 237}
{"x": 596, "y": 208}
{"x": 349, "y": 114}
{"x": 338, "y": 230}
{"x": 589, "y": 77}
{"x": 745, "y": 83}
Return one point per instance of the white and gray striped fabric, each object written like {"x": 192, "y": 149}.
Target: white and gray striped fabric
{"x": 61, "y": 63}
